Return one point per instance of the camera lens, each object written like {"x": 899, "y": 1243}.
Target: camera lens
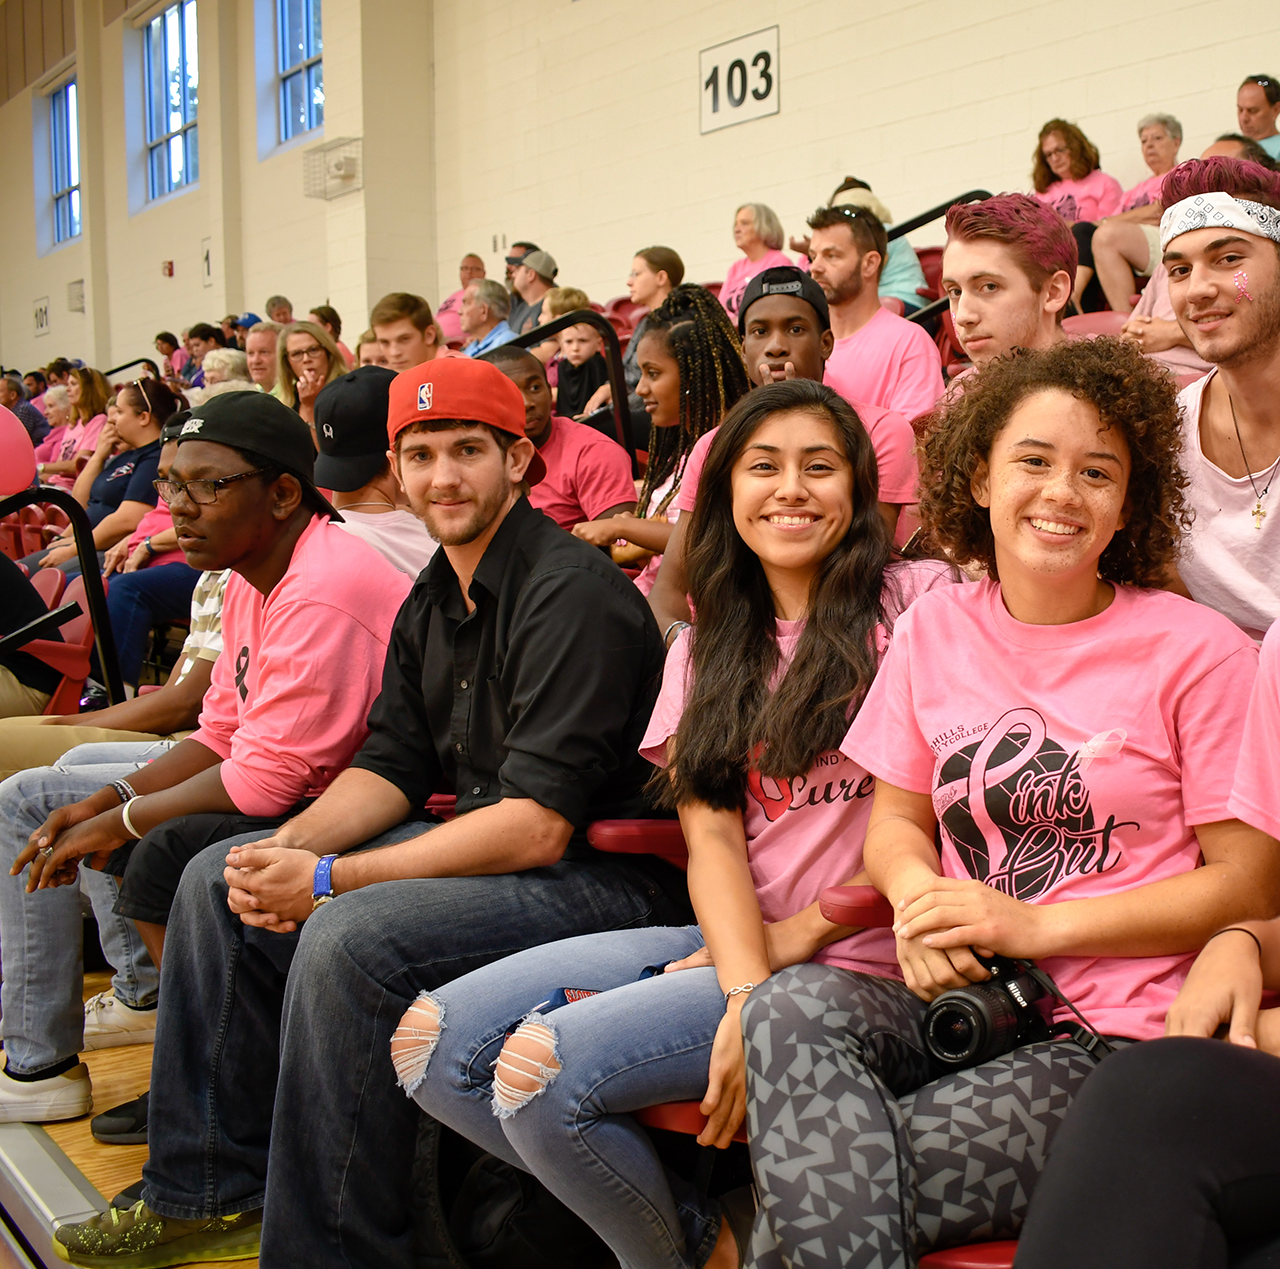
{"x": 971, "y": 1024}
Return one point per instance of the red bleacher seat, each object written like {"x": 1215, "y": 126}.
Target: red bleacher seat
{"x": 931, "y": 266}
{"x": 1105, "y": 323}
{"x": 71, "y": 656}
{"x": 713, "y": 287}
{"x": 49, "y": 583}
{"x": 622, "y": 307}
{"x": 975, "y": 1256}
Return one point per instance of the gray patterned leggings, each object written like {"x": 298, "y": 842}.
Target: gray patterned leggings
{"x": 863, "y": 1157}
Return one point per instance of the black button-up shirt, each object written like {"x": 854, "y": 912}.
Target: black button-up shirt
{"x": 543, "y": 691}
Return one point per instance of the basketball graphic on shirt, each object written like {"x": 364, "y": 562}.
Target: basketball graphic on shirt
{"x": 1018, "y": 809}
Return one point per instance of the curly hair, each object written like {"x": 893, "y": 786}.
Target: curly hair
{"x": 1130, "y": 393}
{"x": 1084, "y": 154}
{"x": 701, "y": 338}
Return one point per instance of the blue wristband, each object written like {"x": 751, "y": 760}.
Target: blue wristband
{"x": 322, "y": 886}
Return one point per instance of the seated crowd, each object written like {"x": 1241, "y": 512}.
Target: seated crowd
{"x": 989, "y": 646}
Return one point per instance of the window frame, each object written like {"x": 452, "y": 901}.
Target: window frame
{"x": 64, "y": 162}
{"x": 306, "y": 70}
{"x": 159, "y": 145}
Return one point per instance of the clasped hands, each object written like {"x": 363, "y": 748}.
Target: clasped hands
{"x": 69, "y": 835}
{"x": 270, "y": 884}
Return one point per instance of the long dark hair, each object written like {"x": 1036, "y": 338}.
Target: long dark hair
{"x": 701, "y": 339}
{"x": 731, "y": 720}
{"x": 151, "y": 396}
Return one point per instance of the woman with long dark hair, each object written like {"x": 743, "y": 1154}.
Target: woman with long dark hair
{"x": 1066, "y": 174}
{"x": 691, "y": 373}
{"x": 792, "y": 572}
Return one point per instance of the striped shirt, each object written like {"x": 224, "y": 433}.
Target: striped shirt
{"x": 204, "y": 643}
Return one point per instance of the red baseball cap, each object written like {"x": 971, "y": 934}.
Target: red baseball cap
{"x": 461, "y": 389}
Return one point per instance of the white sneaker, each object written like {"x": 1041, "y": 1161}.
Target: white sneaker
{"x": 109, "y": 1023}
{"x": 66, "y": 1096}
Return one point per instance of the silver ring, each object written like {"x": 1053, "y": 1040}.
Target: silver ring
{"x": 44, "y": 854}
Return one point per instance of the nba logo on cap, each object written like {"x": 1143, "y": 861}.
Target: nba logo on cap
{"x": 424, "y": 396}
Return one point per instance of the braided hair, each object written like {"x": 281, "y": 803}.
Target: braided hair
{"x": 701, "y": 339}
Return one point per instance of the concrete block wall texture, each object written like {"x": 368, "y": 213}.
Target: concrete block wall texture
{"x": 574, "y": 123}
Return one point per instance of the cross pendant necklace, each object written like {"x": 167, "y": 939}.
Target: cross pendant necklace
{"x": 1259, "y": 513}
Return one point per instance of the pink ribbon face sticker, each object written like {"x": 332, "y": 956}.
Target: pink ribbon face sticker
{"x": 1241, "y": 280}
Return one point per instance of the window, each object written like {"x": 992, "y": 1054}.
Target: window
{"x": 301, "y": 70}
{"x": 64, "y": 131}
{"x": 171, "y": 74}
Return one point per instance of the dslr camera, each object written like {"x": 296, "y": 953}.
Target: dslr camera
{"x": 981, "y": 1021}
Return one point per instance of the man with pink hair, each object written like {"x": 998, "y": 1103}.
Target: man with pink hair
{"x": 1220, "y": 238}
{"x": 1008, "y": 270}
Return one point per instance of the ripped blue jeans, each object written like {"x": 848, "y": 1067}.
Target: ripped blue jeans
{"x": 595, "y": 1059}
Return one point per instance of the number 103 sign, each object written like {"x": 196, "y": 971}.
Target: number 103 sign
{"x": 739, "y": 80}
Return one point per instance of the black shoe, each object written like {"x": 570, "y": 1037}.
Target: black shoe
{"x": 123, "y": 1125}
{"x": 128, "y": 1197}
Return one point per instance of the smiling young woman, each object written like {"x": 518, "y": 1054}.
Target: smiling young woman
{"x": 1053, "y": 751}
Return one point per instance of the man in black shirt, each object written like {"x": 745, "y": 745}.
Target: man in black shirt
{"x": 522, "y": 671}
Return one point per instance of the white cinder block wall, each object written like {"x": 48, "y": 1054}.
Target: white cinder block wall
{"x": 574, "y": 123}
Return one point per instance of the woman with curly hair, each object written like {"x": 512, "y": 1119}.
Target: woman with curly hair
{"x": 691, "y": 373}
{"x": 1053, "y": 750}
{"x": 1066, "y": 175}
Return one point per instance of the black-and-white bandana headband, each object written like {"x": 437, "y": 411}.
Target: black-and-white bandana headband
{"x": 1218, "y": 211}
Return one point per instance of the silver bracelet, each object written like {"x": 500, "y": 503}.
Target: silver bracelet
{"x": 739, "y": 991}
{"x": 128, "y": 821}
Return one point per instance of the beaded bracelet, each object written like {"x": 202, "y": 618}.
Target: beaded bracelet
{"x": 739, "y": 991}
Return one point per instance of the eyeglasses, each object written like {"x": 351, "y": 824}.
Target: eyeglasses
{"x": 1057, "y": 149}
{"x": 314, "y": 353}
{"x": 202, "y": 492}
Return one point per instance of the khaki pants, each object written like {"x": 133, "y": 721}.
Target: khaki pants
{"x": 36, "y": 742}
{"x": 17, "y": 701}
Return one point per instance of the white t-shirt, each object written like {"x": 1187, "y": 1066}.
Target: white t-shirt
{"x": 1228, "y": 562}
{"x": 398, "y": 536}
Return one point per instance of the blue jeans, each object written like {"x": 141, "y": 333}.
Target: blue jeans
{"x": 635, "y": 1045}
{"x": 279, "y": 1044}
{"x": 41, "y": 933}
{"x": 137, "y": 601}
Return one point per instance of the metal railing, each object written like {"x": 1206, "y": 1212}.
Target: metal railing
{"x": 613, "y": 361}
{"x": 137, "y": 361}
{"x": 937, "y": 307}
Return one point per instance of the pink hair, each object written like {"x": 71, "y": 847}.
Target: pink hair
{"x": 1039, "y": 238}
{"x": 1241, "y": 178}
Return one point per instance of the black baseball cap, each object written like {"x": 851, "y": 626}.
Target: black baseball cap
{"x": 351, "y": 428}
{"x": 256, "y": 421}
{"x": 784, "y": 279}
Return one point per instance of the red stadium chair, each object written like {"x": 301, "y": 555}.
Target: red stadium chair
{"x": 11, "y": 537}
{"x": 931, "y": 266}
{"x": 713, "y": 287}
{"x": 663, "y": 838}
{"x": 49, "y": 583}
{"x": 71, "y": 656}
{"x": 975, "y": 1256}
{"x": 1105, "y": 323}
{"x": 31, "y": 524}
{"x": 622, "y": 307}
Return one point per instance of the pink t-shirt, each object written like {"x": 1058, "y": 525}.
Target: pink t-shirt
{"x": 51, "y": 447}
{"x": 1066, "y": 762}
{"x": 78, "y": 438}
{"x": 587, "y": 473}
{"x": 891, "y": 438}
{"x": 1143, "y": 193}
{"x": 449, "y": 316}
{"x": 156, "y": 521}
{"x": 289, "y": 702}
{"x": 1255, "y": 798}
{"x": 741, "y": 272}
{"x": 889, "y": 362}
{"x": 804, "y": 834}
{"x": 1092, "y": 198}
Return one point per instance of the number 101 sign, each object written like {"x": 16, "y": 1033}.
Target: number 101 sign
{"x": 739, "y": 80}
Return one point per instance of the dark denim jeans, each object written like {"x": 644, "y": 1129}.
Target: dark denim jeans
{"x": 279, "y": 1043}
{"x": 138, "y": 600}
